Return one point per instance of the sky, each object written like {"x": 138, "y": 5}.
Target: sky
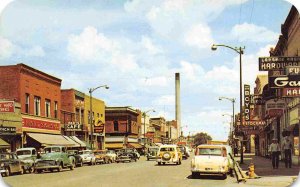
{"x": 137, "y": 46}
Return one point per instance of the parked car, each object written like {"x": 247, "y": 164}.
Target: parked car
{"x": 28, "y": 156}
{"x": 126, "y": 155}
{"x": 210, "y": 159}
{"x": 112, "y": 155}
{"x": 152, "y": 153}
{"x": 102, "y": 157}
{"x": 135, "y": 154}
{"x": 185, "y": 153}
{"x": 54, "y": 157}
{"x": 78, "y": 158}
{"x": 169, "y": 154}
{"x": 9, "y": 164}
{"x": 88, "y": 157}
{"x": 230, "y": 160}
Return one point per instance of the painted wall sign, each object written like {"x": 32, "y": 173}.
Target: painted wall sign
{"x": 7, "y": 106}
{"x": 277, "y": 63}
{"x": 40, "y": 124}
{"x": 284, "y": 81}
{"x": 247, "y": 102}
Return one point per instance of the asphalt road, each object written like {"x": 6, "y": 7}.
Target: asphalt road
{"x": 140, "y": 173}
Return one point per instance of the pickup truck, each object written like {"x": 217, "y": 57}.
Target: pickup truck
{"x": 54, "y": 157}
{"x": 28, "y": 156}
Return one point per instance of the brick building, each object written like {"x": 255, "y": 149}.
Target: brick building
{"x": 39, "y": 96}
{"x": 121, "y": 127}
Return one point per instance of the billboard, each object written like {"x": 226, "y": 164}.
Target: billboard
{"x": 277, "y": 63}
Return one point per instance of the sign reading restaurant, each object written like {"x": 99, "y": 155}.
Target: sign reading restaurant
{"x": 277, "y": 63}
{"x": 252, "y": 123}
{"x": 7, "y": 106}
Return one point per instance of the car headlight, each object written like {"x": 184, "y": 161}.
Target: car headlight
{"x": 2, "y": 165}
{"x": 193, "y": 165}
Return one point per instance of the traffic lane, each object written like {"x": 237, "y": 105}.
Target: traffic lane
{"x": 140, "y": 173}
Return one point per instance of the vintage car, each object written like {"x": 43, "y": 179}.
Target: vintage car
{"x": 88, "y": 157}
{"x": 169, "y": 154}
{"x": 184, "y": 151}
{"x": 102, "y": 157}
{"x": 126, "y": 155}
{"x": 152, "y": 153}
{"x": 28, "y": 156}
{"x": 210, "y": 159}
{"x": 112, "y": 155}
{"x": 54, "y": 157}
{"x": 78, "y": 158}
{"x": 9, "y": 164}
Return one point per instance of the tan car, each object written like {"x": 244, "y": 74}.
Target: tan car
{"x": 169, "y": 154}
{"x": 210, "y": 159}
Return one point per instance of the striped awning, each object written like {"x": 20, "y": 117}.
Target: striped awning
{"x": 4, "y": 144}
{"x": 71, "y": 140}
{"x": 113, "y": 145}
{"x": 135, "y": 145}
{"x": 81, "y": 143}
{"x": 51, "y": 139}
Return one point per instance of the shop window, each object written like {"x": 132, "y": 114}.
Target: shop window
{"x": 37, "y": 106}
{"x": 47, "y": 108}
{"x": 55, "y": 109}
{"x": 116, "y": 125}
{"x": 27, "y": 103}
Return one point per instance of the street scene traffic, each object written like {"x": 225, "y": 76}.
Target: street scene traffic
{"x": 149, "y": 93}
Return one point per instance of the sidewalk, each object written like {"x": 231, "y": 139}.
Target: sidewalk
{"x": 269, "y": 176}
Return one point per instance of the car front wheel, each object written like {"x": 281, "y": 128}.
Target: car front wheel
{"x": 59, "y": 169}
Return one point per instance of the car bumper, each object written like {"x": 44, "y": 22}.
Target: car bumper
{"x": 167, "y": 161}
{"x": 46, "y": 167}
{"x": 220, "y": 171}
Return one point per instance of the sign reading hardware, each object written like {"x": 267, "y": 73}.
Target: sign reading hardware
{"x": 7, "y": 130}
{"x": 247, "y": 102}
{"x": 291, "y": 92}
{"x": 277, "y": 63}
{"x": 284, "y": 81}
{"x": 73, "y": 126}
{"x": 7, "y": 106}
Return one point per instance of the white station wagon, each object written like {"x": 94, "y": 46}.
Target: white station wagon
{"x": 210, "y": 159}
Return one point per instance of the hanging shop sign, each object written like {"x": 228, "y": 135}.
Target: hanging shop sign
{"x": 253, "y": 123}
{"x": 284, "y": 81}
{"x": 73, "y": 126}
{"x": 7, "y": 106}
{"x": 7, "y": 130}
{"x": 274, "y": 112}
{"x": 273, "y": 104}
{"x": 292, "y": 70}
{"x": 99, "y": 127}
{"x": 277, "y": 63}
{"x": 291, "y": 92}
{"x": 247, "y": 102}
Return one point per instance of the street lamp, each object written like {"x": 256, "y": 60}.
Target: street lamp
{"x": 233, "y": 101}
{"x": 91, "y": 90}
{"x": 144, "y": 115}
{"x": 240, "y": 51}
{"x": 230, "y": 129}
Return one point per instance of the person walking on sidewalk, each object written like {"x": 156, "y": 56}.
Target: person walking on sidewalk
{"x": 287, "y": 148}
{"x": 275, "y": 151}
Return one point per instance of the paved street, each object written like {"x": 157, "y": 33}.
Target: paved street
{"x": 141, "y": 173}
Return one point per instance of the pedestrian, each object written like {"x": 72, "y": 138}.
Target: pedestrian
{"x": 275, "y": 151}
{"x": 287, "y": 148}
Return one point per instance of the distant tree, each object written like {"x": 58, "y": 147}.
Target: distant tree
{"x": 201, "y": 138}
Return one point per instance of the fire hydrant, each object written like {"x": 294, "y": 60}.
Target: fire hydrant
{"x": 251, "y": 170}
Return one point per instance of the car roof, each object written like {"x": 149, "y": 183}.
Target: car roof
{"x": 171, "y": 145}
{"x": 210, "y": 146}
{"x": 26, "y": 148}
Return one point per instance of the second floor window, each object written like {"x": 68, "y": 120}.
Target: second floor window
{"x": 27, "y": 103}
{"x": 55, "y": 109}
{"x": 37, "y": 106}
{"x": 47, "y": 108}
{"x": 116, "y": 125}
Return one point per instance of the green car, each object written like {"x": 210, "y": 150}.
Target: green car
{"x": 54, "y": 158}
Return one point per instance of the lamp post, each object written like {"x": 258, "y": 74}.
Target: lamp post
{"x": 240, "y": 51}
{"x": 91, "y": 90}
{"x": 144, "y": 115}
{"x": 230, "y": 129}
{"x": 233, "y": 101}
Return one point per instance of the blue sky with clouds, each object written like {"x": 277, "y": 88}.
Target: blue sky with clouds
{"x": 137, "y": 46}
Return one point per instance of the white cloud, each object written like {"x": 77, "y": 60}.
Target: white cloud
{"x": 150, "y": 47}
{"x": 219, "y": 73}
{"x": 35, "y": 51}
{"x": 159, "y": 81}
{"x": 4, "y": 3}
{"x": 250, "y": 32}
{"x": 199, "y": 36}
{"x": 6, "y": 48}
{"x": 165, "y": 100}
{"x": 191, "y": 71}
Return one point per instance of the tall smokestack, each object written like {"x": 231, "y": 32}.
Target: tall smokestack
{"x": 177, "y": 103}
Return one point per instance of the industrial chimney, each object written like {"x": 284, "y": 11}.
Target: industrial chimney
{"x": 177, "y": 103}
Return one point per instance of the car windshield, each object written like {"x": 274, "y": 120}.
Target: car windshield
{"x": 167, "y": 149}
{"x": 24, "y": 152}
{"x": 84, "y": 152}
{"x": 4, "y": 156}
{"x": 209, "y": 151}
{"x": 52, "y": 149}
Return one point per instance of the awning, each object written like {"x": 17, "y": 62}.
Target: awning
{"x": 81, "y": 143}
{"x": 4, "y": 144}
{"x": 71, "y": 140}
{"x": 51, "y": 139}
{"x": 113, "y": 145}
{"x": 135, "y": 145}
